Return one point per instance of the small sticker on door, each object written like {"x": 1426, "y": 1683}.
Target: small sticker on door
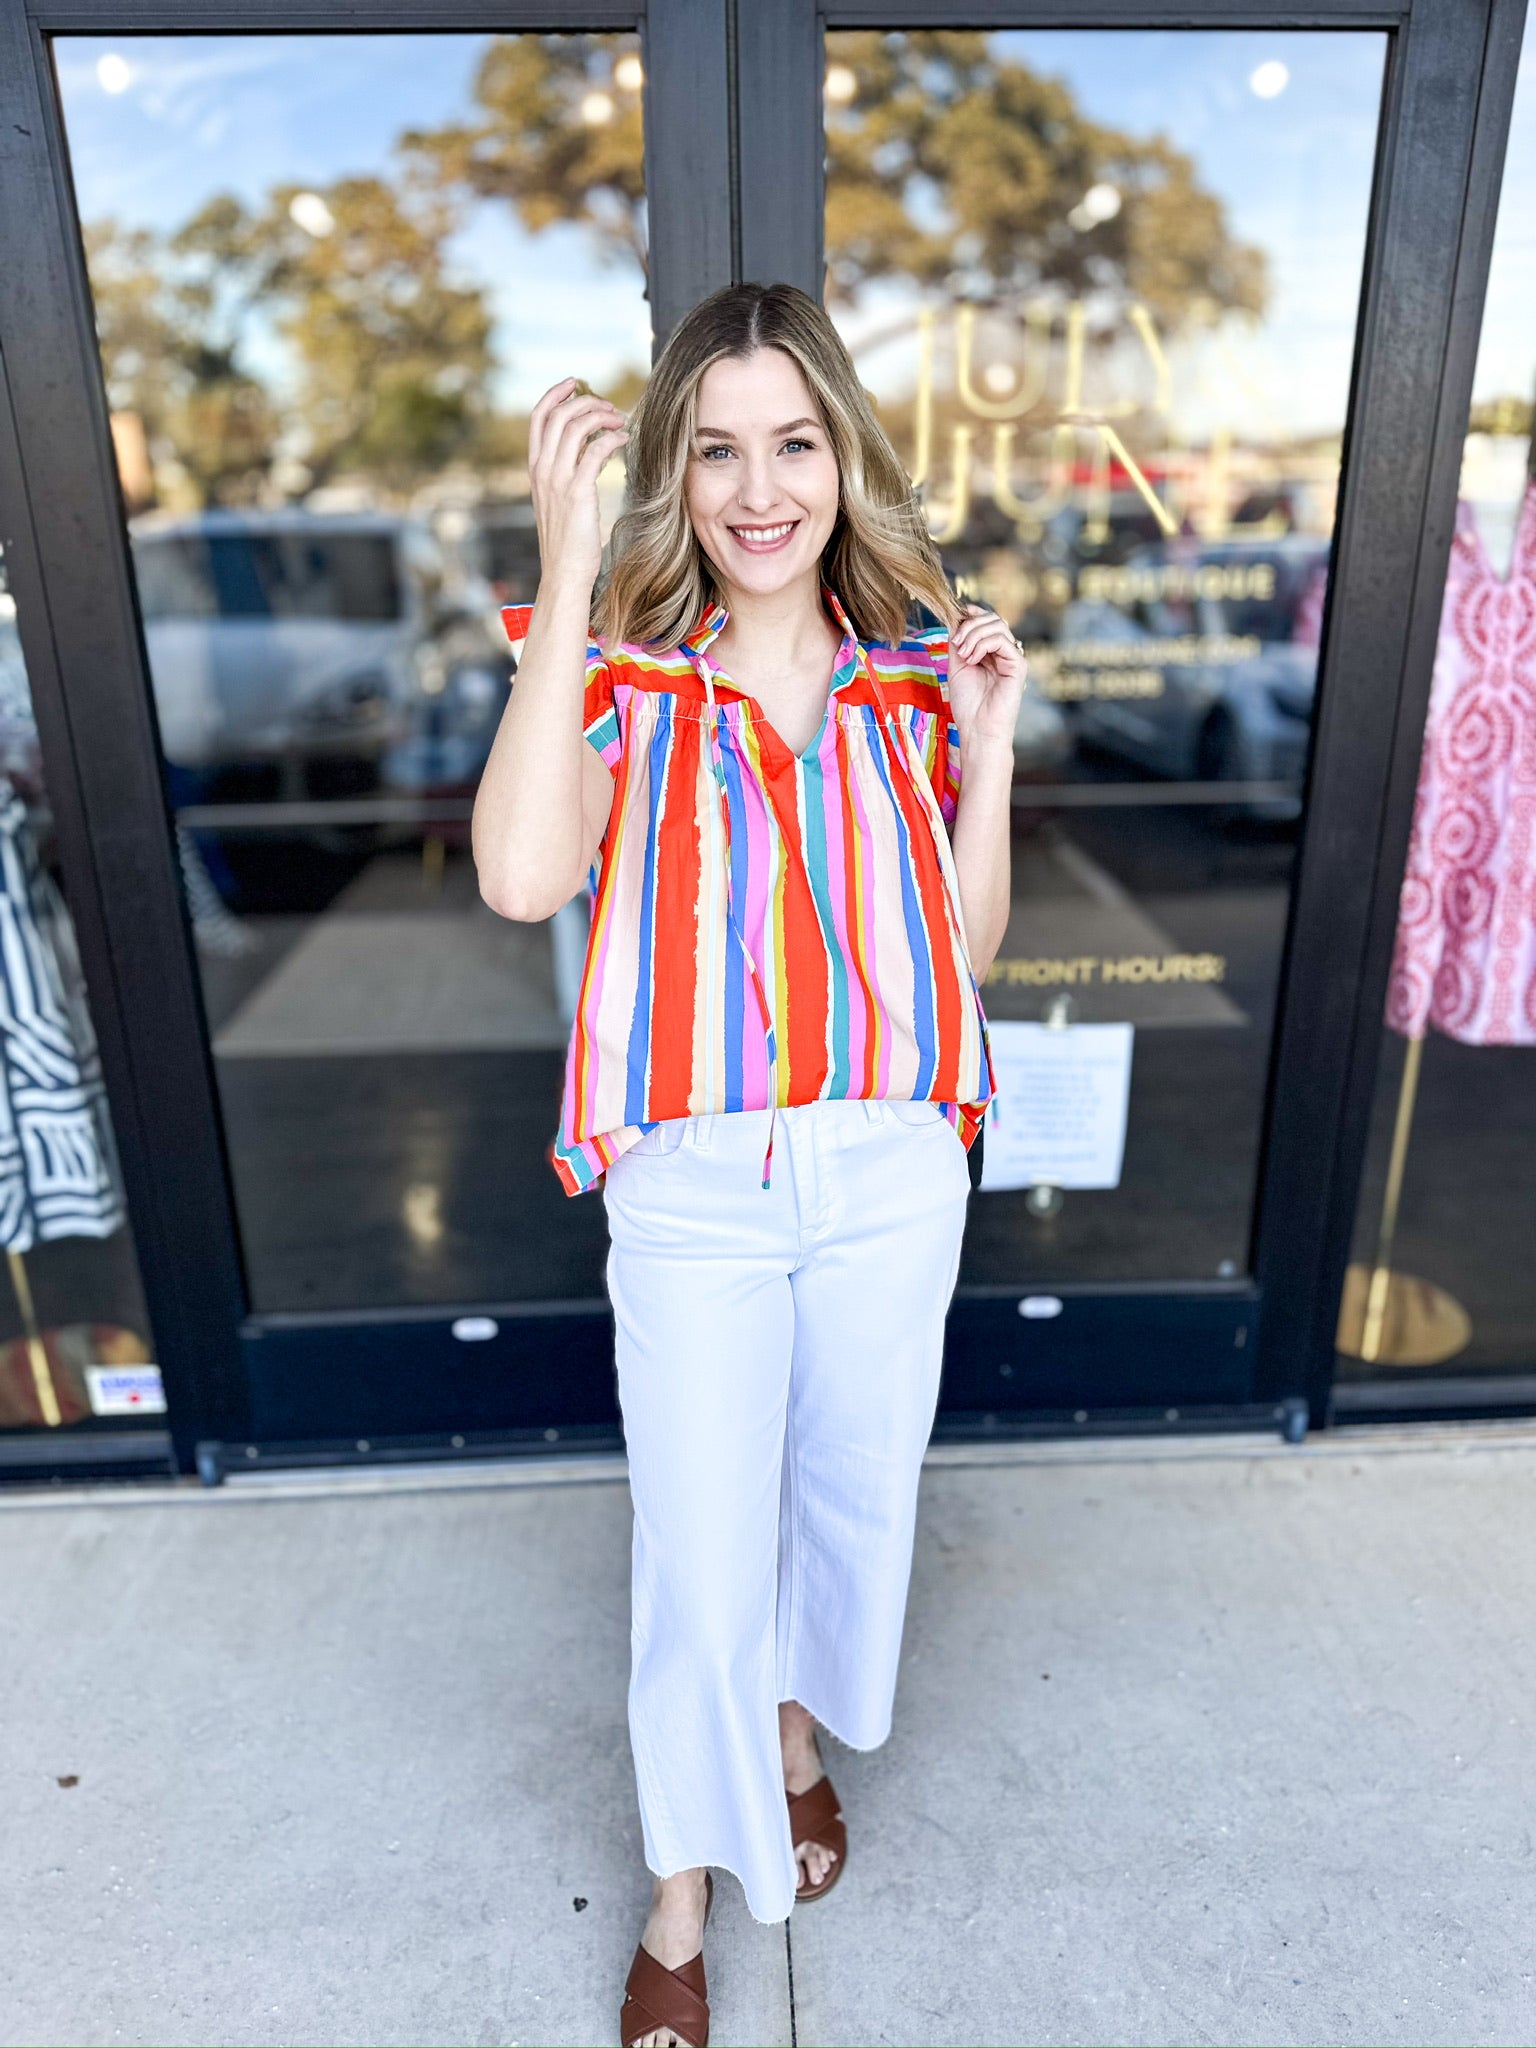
{"x": 125, "y": 1389}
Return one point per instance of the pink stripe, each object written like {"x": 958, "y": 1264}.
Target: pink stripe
{"x": 834, "y": 742}
{"x": 866, "y": 902}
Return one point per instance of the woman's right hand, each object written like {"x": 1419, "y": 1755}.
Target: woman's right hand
{"x": 562, "y": 476}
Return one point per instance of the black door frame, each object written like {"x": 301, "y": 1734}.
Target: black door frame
{"x": 733, "y": 107}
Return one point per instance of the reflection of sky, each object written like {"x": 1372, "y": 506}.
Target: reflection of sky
{"x": 208, "y": 114}
{"x": 1293, "y": 172}
{"x": 1506, "y": 357}
{"x": 1493, "y": 474}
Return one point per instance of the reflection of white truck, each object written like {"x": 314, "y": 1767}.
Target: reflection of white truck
{"x": 1198, "y": 660}
{"x": 308, "y": 647}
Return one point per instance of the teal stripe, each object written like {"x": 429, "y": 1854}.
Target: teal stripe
{"x": 603, "y": 732}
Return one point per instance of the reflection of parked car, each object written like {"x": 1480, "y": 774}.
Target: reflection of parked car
{"x": 505, "y": 546}
{"x": 1041, "y": 741}
{"x": 296, "y": 654}
{"x": 1198, "y": 660}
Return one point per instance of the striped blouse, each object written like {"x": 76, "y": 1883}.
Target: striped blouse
{"x": 766, "y": 928}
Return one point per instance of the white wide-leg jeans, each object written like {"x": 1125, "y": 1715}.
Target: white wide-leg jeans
{"x": 778, "y": 1364}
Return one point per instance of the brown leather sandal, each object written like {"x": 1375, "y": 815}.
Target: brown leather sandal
{"x": 657, "y": 1999}
{"x": 815, "y": 1816}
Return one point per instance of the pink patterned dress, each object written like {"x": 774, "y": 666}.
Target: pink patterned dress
{"x": 1466, "y": 937}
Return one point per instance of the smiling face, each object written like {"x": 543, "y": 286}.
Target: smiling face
{"x": 762, "y": 480}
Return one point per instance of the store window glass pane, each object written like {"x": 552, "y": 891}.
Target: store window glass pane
{"x": 331, "y": 275}
{"x": 1443, "y": 1279}
{"x": 74, "y": 1336}
{"x": 1104, "y": 286}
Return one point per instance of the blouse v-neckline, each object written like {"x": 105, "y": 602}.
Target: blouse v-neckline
{"x": 845, "y": 668}
{"x": 765, "y": 725}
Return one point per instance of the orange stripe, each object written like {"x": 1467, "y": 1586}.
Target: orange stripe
{"x": 806, "y": 989}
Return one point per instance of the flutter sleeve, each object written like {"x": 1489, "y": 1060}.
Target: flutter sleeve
{"x": 599, "y": 719}
{"x": 944, "y": 754}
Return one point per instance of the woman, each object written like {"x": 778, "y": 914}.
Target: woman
{"x": 795, "y": 810}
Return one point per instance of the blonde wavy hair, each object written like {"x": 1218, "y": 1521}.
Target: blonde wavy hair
{"x": 880, "y": 555}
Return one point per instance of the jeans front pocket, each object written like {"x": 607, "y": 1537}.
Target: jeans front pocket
{"x": 664, "y": 1136}
{"x": 919, "y": 1110}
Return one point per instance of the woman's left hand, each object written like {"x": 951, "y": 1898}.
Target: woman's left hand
{"x": 986, "y": 676}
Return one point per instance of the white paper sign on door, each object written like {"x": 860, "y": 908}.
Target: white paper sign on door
{"x": 1059, "y": 1114}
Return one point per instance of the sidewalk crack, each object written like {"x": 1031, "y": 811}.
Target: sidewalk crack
{"x": 789, "y": 1964}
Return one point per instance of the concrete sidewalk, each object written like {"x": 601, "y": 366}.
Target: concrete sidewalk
{"x": 1199, "y": 1740}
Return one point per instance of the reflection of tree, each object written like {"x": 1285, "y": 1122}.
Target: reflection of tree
{"x": 168, "y": 341}
{"x": 964, "y": 171}
{"x": 556, "y": 133}
{"x": 1507, "y": 415}
{"x": 391, "y": 358}
{"x": 948, "y": 165}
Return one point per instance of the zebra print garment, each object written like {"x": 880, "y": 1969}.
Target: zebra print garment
{"x": 59, "y": 1174}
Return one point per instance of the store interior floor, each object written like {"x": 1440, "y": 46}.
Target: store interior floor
{"x": 1198, "y": 1740}
{"x": 389, "y": 1068}
{"x": 389, "y": 1056}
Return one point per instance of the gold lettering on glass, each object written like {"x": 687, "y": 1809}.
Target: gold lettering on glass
{"x": 1032, "y": 366}
{"x": 952, "y": 523}
{"x": 1063, "y": 429}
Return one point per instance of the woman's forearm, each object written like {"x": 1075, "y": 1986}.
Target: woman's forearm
{"x": 982, "y": 840}
{"x": 532, "y": 840}
{"x": 528, "y": 834}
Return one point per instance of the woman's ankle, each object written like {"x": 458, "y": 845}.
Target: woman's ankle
{"x": 796, "y": 1723}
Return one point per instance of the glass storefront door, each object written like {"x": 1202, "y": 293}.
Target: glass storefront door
{"x": 330, "y": 277}
{"x": 1104, "y": 287}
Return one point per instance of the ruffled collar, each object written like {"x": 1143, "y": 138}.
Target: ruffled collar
{"x": 712, "y": 619}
